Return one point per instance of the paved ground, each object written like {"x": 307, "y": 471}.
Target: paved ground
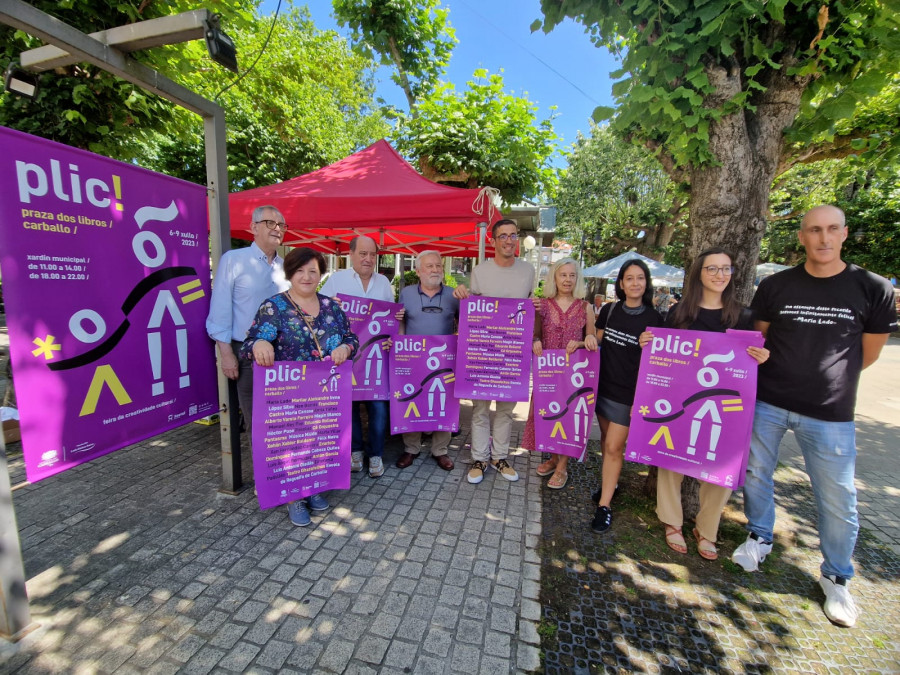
{"x": 135, "y": 563}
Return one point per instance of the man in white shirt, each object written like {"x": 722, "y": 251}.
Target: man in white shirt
{"x": 362, "y": 281}
{"x": 504, "y": 276}
{"x": 244, "y": 279}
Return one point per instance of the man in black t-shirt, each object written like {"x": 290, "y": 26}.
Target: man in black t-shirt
{"x": 824, "y": 322}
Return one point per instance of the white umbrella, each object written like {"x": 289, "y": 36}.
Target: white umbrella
{"x": 768, "y": 269}
{"x": 609, "y": 269}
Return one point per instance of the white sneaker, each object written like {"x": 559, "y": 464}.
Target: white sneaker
{"x": 356, "y": 462}
{"x": 376, "y": 467}
{"x": 839, "y": 605}
{"x": 751, "y": 553}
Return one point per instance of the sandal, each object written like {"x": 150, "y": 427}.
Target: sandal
{"x": 558, "y": 480}
{"x": 547, "y": 467}
{"x": 705, "y": 547}
{"x": 675, "y": 539}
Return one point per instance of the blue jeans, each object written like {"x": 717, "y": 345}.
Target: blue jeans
{"x": 829, "y": 452}
{"x": 378, "y": 421}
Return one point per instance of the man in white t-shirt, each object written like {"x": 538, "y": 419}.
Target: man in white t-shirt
{"x": 362, "y": 281}
{"x": 504, "y": 276}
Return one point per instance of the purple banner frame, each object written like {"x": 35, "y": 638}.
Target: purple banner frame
{"x": 693, "y": 409}
{"x": 106, "y": 285}
{"x": 301, "y": 430}
{"x": 374, "y": 323}
{"x": 494, "y": 352}
{"x": 422, "y": 377}
{"x": 564, "y": 395}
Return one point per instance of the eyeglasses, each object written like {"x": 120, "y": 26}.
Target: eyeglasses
{"x": 432, "y": 309}
{"x": 712, "y": 270}
{"x": 504, "y": 237}
{"x": 271, "y": 224}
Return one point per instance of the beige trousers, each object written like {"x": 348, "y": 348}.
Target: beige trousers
{"x": 484, "y": 447}
{"x": 440, "y": 441}
{"x": 668, "y": 503}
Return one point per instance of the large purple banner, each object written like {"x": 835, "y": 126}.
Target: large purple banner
{"x": 374, "y": 323}
{"x": 106, "y": 285}
{"x": 494, "y": 352}
{"x": 422, "y": 377}
{"x": 301, "y": 430}
{"x": 564, "y": 396}
{"x": 693, "y": 409}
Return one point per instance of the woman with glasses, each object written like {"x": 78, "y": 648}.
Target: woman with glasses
{"x": 708, "y": 303}
{"x": 301, "y": 325}
{"x": 619, "y": 326}
{"x": 562, "y": 321}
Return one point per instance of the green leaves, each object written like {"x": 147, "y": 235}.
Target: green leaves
{"x": 481, "y": 136}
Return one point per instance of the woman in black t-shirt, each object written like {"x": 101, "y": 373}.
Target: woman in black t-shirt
{"x": 709, "y": 304}
{"x": 619, "y": 326}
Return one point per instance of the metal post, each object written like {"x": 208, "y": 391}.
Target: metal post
{"x": 15, "y": 615}
{"x": 482, "y": 236}
{"x": 220, "y": 240}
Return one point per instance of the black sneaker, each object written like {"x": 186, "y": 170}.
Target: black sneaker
{"x": 602, "y": 519}
{"x": 596, "y": 495}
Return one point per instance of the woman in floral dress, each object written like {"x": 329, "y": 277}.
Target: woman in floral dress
{"x": 562, "y": 321}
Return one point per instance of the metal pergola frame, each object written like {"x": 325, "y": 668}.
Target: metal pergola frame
{"x": 66, "y": 42}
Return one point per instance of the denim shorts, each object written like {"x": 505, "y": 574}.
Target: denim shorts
{"x": 620, "y": 413}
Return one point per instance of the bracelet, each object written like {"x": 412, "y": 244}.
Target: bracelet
{"x": 536, "y": 340}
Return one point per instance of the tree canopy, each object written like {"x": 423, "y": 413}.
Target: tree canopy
{"x": 730, "y": 94}
{"x": 481, "y": 136}
{"x": 86, "y": 107}
{"x": 413, "y": 36}
{"x": 614, "y": 197}
{"x": 870, "y": 200}
{"x": 308, "y": 100}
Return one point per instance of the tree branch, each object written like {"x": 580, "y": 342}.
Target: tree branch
{"x": 839, "y": 148}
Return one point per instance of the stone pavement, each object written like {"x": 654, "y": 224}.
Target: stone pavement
{"x": 135, "y": 563}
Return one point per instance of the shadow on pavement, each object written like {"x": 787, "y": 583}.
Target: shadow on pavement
{"x": 625, "y": 602}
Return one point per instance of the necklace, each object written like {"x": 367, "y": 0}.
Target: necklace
{"x": 306, "y": 320}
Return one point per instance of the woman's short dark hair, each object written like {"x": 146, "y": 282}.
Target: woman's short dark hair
{"x": 298, "y": 257}
{"x": 647, "y": 298}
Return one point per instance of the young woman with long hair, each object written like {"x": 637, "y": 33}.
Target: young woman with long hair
{"x": 709, "y": 303}
{"x": 563, "y": 320}
{"x": 619, "y": 327}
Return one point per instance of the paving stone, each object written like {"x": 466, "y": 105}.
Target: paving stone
{"x": 465, "y": 658}
{"x": 438, "y": 642}
{"x": 371, "y": 649}
{"x": 274, "y": 654}
{"x": 400, "y": 654}
{"x": 336, "y": 655}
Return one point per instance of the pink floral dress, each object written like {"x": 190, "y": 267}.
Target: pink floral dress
{"x": 558, "y": 328}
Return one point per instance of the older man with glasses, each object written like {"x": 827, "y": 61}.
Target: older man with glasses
{"x": 430, "y": 309}
{"x": 505, "y": 276}
{"x": 245, "y": 278}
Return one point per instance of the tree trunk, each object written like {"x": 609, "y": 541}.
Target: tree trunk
{"x": 729, "y": 201}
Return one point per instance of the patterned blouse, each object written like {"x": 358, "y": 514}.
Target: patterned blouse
{"x": 278, "y": 321}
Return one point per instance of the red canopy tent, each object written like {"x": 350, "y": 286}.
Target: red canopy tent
{"x": 374, "y": 192}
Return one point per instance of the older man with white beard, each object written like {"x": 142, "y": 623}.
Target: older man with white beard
{"x": 430, "y": 309}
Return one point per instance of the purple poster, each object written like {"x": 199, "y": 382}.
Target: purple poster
{"x": 422, "y": 377}
{"x": 374, "y": 323}
{"x": 494, "y": 348}
{"x": 693, "y": 410}
{"x": 106, "y": 285}
{"x": 302, "y": 446}
{"x": 565, "y": 393}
